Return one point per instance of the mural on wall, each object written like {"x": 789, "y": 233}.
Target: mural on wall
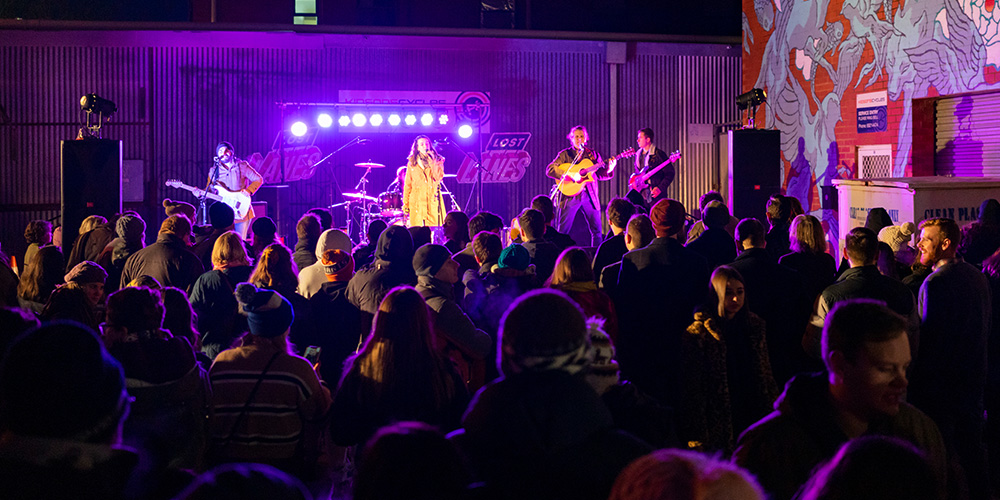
{"x": 813, "y": 57}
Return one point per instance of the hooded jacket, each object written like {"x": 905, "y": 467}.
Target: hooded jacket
{"x": 393, "y": 266}
{"x": 311, "y": 278}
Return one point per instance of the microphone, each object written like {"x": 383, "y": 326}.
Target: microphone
{"x": 216, "y": 159}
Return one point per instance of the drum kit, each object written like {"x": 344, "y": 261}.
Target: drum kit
{"x": 387, "y": 206}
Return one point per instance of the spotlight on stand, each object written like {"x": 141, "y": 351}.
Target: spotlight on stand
{"x": 752, "y": 99}
{"x": 93, "y": 104}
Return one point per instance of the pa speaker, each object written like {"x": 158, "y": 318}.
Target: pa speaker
{"x": 754, "y": 171}
{"x": 91, "y": 171}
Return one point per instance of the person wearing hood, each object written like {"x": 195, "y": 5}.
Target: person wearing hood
{"x": 393, "y": 266}
{"x": 312, "y": 277}
{"x": 131, "y": 232}
{"x": 866, "y": 352}
{"x": 456, "y": 337}
{"x": 307, "y": 230}
{"x": 337, "y": 324}
{"x": 541, "y": 431}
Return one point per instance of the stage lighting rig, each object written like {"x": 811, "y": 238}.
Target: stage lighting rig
{"x": 93, "y": 104}
{"x": 752, "y": 99}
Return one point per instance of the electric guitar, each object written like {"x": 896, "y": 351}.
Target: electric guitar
{"x": 586, "y": 169}
{"x": 638, "y": 180}
{"x": 239, "y": 201}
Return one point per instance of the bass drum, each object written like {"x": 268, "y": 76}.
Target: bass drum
{"x": 390, "y": 202}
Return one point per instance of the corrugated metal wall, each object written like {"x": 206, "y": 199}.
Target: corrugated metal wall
{"x": 968, "y": 135}
{"x": 180, "y": 93}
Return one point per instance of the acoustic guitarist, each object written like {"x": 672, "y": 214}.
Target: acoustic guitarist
{"x": 649, "y": 157}
{"x": 565, "y": 170}
{"x": 233, "y": 174}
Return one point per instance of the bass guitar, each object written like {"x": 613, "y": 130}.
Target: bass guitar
{"x": 586, "y": 168}
{"x": 239, "y": 201}
{"x": 638, "y": 180}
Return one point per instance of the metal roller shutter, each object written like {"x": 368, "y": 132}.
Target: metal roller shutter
{"x": 968, "y": 136}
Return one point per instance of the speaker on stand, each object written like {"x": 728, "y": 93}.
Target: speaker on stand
{"x": 754, "y": 171}
{"x": 91, "y": 182}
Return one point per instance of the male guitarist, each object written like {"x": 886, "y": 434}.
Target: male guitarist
{"x": 586, "y": 201}
{"x": 234, "y": 174}
{"x": 650, "y": 157}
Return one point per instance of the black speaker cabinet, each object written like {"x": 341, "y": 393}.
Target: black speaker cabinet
{"x": 754, "y": 171}
{"x": 91, "y": 174}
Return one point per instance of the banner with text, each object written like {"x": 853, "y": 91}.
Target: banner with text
{"x": 873, "y": 115}
{"x": 504, "y": 159}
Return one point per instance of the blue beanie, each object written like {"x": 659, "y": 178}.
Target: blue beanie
{"x": 514, "y": 256}
{"x": 268, "y": 313}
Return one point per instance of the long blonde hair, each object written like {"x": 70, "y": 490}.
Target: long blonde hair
{"x": 229, "y": 251}
{"x": 275, "y": 268}
{"x": 572, "y": 266}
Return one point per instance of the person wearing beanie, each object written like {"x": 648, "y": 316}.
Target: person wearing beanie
{"x": 715, "y": 243}
{"x": 336, "y": 322}
{"x": 312, "y": 277}
{"x": 220, "y": 217}
{"x": 286, "y": 381}
{"x": 130, "y": 237}
{"x": 898, "y": 238}
{"x": 263, "y": 232}
{"x": 541, "y": 431}
{"x": 176, "y": 207}
{"x": 496, "y": 287}
{"x": 659, "y": 286}
{"x": 90, "y": 277}
{"x": 169, "y": 261}
{"x": 61, "y": 429}
{"x": 456, "y": 336}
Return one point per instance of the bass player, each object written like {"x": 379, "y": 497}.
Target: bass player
{"x": 233, "y": 174}
{"x": 563, "y": 170}
{"x": 649, "y": 157}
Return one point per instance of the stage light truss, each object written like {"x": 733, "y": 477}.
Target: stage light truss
{"x": 299, "y": 117}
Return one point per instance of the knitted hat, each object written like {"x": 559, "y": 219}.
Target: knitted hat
{"x": 263, "y": 226}
{"x": 83, "y": 400}
{"x": 86, "y": 272}
{"x": 604, "y": 372}
{"x": 429, "y": 258}
{"x": 543, "y": 330}
{"x": 268, "y": 313}
{"x": 667, "y": 217}
{"x": 130, "y": 227}
{"x": 338, "y": 265}
{"x": 221, "y": 216}
{"x": 514, "y": 257}
{"x": 178, "y": 207}
{"x": 897, "y": 236}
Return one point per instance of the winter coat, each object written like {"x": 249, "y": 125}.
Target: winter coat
{"x": 169, "y": 261}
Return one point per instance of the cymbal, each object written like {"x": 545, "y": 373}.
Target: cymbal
{"x": 369, "y": 165}
{"x": 359, "y": 196}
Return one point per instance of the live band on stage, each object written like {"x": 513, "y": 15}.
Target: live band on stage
{"x": 416, "y": 196}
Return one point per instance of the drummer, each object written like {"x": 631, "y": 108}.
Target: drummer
{"x": 397, "y": 185}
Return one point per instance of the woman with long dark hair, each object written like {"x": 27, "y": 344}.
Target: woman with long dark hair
{"x": 40, "y": 278}
{"x": 422, "y": 198}
{"x": 728, "y": 381}
{"x": 398, "y": 375}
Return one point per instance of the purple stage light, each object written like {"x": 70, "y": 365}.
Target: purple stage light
{"x": 465, "y": 131}
{"x": 299, "y": 129}
{"x": 375, "y": 120}
{"x": 394, "y": 120}
{"x": 344, "y": 120}
{"x": 426, "y": 119}
{"x": 324, "y": 120}
{"x": 359, "y": 120}
{"x": 411, "y": 119}
{"x": 443, "y": 119}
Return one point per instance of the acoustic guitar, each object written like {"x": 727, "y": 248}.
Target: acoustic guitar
{"x": 239, "y": 201}
{"x": 586, "y": 169}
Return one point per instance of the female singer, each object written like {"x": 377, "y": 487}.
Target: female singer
{"x": 422, "y": 198}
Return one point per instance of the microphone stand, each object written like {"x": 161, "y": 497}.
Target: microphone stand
{"x": 201, "y": 199}
{"x": 479, "y": 178}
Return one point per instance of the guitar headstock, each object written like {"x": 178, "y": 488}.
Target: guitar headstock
{"x": 625, "y": 154}
{"x": 676, "y": 155}
{"x": 174, "y": 183}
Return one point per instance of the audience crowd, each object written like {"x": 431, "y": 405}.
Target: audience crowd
{"x": 725, "y": 359}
